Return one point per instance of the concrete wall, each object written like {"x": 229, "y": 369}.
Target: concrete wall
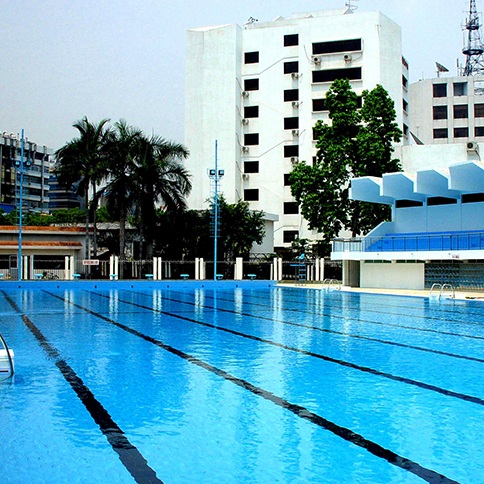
{"x": 392, "y": 276}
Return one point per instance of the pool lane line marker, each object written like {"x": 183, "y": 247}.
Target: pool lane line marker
{"x": 365, "y": 369}
{"x": 435, "y": 318}
{"x": 428, "y": 475}
{"x": 129, "y": 455}
{"x": 346, "y": 318}
{"x": 316, "y": 328}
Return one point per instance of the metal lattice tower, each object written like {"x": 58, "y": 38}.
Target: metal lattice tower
{"x": 473, "y": 49}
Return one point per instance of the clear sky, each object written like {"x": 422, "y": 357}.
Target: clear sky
{"x": 64, "y": 59}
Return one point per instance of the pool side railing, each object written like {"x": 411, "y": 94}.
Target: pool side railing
{"x": 412, "y": 242}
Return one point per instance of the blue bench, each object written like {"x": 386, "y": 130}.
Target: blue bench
{"x": 219, "y": 277}
{"x": 184, "y": 276}
{"x": 252, "y": 276}
{"x": 39, "y": 276}
{"x": 149, "y": 276}
{"x": 113, "y": 277}
{"x": 76, "y": 276}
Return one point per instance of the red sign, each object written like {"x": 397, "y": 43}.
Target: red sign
{"x": 90, "y": 262}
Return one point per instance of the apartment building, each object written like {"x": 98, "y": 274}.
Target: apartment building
{"x": 448, "y": 110}
{"x": 259, "y": 89}
{"x": 37, "y": 161}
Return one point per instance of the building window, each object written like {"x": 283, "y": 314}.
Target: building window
{"x": 291, "y": 150}
{"x": 336, "y": 46}
{"x": 461, "y": 132}
{"x": 291, "y": 123}
{"x": 251, "y": 167}
{"x": 251, "y": 84}
{"x": 331, "y": 75}
{"x": 291, "y": 208}
{"x": 251, "y": 57}
{"x": 287, "y": 183}
{"x": 440, "y": 90}
{"x": 460, "y": 88}
{"x": 289, "y": 236}
{"x": 251, "y": 111}
{"x": 251, "y": 139}
{"x": 251, "y": 195}
{"x": 405, "y": 130}
{"x": 461, "y": 111}
{"x": 291, "y": 95}
{"x": 290, "y": 67}
{"x": 441, "y": 133}
{"x": 432, "y": 201}
{"x": 405, "y": 105}
{"x": 319, "y": 105}
{"x": 440, "y": 112}
{"x": 479, "y": 131}
{"x": 315, "y": 134}
{"x": 405, "y": 82}
{"x": 473, "y": 198}
{"x": 291, "y": 39}
{"x": 479, "y": 110}
{"x": 407, "y": 203}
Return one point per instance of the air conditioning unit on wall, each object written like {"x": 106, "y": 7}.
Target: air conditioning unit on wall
{"x": 245, "y": 94}
{"x": 472, "y": 147}
{"x": 245, "y": 176}
{"x": 245, "y": 121}
{"x": 295, "y": 132}
{"x": 245, "y": 149}
{"x": 294, "y": 160}
{"x": 316, "y": 60}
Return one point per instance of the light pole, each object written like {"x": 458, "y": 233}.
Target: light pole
{"x": 215, "y": 176}
{"x": 20, "y": 167}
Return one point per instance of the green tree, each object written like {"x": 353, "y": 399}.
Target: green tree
{"x": 160, "y": 178}
{"x": 121, "y": 151}
{"x": 81, "y": 161}
{"x": 357, "y": 143}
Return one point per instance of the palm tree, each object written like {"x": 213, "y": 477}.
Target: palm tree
{"x": 121, "y": 150}
{"x": 81, "y": 161}
{"x": 160, "y": 178}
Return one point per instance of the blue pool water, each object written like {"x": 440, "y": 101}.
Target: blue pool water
{"x": 251, "y": 384}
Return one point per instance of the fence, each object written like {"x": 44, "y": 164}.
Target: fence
{"x": 39, "y": 267}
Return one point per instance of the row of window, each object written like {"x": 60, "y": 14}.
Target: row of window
{"x": 332, "y": 47}
{"x": 327, "y": 75}
{"x": 252, "y": 139}
{"x": 440, "y": 90}
{"x": 461, "y": 111}
{"x": 252, "y": 195}
{"x": 440, "y": 133}
{"x": 251, "y": 167}
{"x": 434, "y": 201}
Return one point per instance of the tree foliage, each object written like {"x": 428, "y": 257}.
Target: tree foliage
{"x": 357, "y": 143}
{"x": 186, "y": 235}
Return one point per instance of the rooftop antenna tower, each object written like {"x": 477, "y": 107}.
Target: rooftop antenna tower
{"x": 473, "y": 49}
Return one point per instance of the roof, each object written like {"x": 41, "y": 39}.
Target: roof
{"x": 466, "y": 177}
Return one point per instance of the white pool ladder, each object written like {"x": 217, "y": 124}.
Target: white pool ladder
{"x": 441, "y": 288}
{"x": 327, "y": 283}
{"x": 5, "y": 355}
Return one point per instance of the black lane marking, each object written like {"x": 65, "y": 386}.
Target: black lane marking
{"x": 129, "y": 455}
{"x": 315, "y": 328}
{"x": 427, "y": 475}
{"x": 346, "y": 318}
{"x": 456, "y": 321}
{"x": 372, "y": 371}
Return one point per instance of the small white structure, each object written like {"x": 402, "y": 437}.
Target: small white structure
{"x": 259, "y": 90}
{"x": 436, "y": 234}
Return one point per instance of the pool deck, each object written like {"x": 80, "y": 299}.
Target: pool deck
{"x": 462, "y": 295}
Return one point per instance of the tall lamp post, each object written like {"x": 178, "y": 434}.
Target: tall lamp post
{"x": 20, "y": 167}
{"x": 215, "y": 176}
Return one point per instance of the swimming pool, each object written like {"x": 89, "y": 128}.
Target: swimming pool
{"x": 249, "y": 384}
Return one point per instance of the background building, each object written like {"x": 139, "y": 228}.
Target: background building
{"x": 259, "y": 90}
{"x": 35, "y": 177}
{"x": 448, "y": 110}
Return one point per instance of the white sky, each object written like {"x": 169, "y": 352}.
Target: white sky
{"x": 63, "y": 59}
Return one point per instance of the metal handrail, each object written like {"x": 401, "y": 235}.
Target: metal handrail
{"x": 8, "y": 355}
{"x": 448, "y": 286}
{"x": 330, "y": 282}
{"x": 436, "y": 285}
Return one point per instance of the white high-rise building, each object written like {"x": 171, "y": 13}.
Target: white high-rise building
{"x": 259, "y": 90}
